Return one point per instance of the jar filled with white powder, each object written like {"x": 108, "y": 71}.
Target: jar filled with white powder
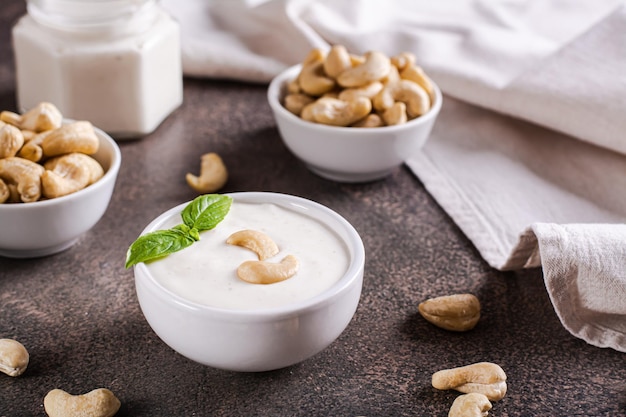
{"x": 115, "y": 63}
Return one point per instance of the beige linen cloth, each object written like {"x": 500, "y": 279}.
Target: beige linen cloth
{"x": 528, "y": 155}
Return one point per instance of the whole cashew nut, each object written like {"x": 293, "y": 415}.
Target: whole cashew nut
{"x": 396, "y": 114}
{"x": 11, "y": 140}
{"x": 337, "y": 112}
{"x": 72, "y": 137}
{"x": 213, "y": 174}
{"x": 69, "y": 173}
{"x": 313, "y": 81}
{"x": 415, "y": 97}
{"x": 44, "y": 116}
{"x": 368, "y": 90}
{"x": 456, "y": 312}
{"x": 417, "y": 75}
{"x": 470, "y": 405}
{"x": 25, "y": 174}
{"x": 263, "y": 272}
{"x": 256, "y": 241}
{"x": 100, "y": 402}
{"x": 337, "y": 61}
{"x": 484, "y": 378}
{"x": 297, "y": 101}
{"x": 376, "y": 66}
{"x": 13, "y": 357}
{"x": 403, "y": 60}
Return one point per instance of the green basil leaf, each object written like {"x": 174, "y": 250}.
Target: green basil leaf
{"x": 203, "y": 213}
{"x": 206, "y": 211}
{"x": 157, "y": 244}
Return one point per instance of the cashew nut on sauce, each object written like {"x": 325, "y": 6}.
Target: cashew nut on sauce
{"x": 42, "y": 158}
{"x": 261, "y": 271}
{"x": 341, "y": 89}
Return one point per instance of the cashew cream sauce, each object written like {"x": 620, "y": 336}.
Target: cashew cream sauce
{"x": 206, "y": 272}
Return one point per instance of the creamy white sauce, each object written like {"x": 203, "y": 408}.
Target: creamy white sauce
{"x": 206, "y": 272}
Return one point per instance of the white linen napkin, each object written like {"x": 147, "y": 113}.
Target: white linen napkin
{"x": 545, "y": 187}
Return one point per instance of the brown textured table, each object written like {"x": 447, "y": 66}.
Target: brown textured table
{"x": 78, "y": 315}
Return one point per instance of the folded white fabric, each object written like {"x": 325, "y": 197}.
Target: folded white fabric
{"x": 526, "y": 194}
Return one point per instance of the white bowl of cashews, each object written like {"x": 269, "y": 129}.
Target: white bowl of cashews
{"x": 62, "y": 195}
{"x": 354, "y": 118}
{"x": 215, "y": 317}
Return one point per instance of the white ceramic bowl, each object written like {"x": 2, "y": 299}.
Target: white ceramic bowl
{"x": 46, "y": 227}
{"x": 348, "y": 154}
{"x": 264, "y": 339}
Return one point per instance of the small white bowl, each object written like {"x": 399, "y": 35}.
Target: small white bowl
{"x": 259, "y": 339}
{"x": 348, "y": 154}
{"x": 47, "y": 227}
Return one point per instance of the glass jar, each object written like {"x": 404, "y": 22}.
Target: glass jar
{"x": 115, "y": 63}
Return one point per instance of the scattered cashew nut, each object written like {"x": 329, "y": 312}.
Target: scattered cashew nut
{"x": 100, "y": 402}
{"x": 256, "y": 241}
{"x": 213, "y": 174}
{"x": 13, "y": 357}
{"x": 483, "y": 377}
{"x": 470, "y": 405}
{"x": 263, "y": 272}
{"x": 456, "y": 312}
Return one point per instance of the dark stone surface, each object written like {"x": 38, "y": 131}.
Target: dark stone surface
{"x": 78, "y": 315}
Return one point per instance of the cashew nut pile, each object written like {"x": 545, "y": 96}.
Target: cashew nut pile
{"x": 262, "y": 271}
{"x": 342, "y": 89}
{"x": 42, "y": 158}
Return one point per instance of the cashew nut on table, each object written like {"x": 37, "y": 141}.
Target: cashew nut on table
{"x": 100, "y": 402}
{"x": 484, "y": 378}
{"x": 13, "y": 357}
{"x": 470, "y": 405}
{"x": 342, "y": 89}
{"x": 43, "y": 158}
{"x": 456, "y": 312}
{"x": 213, "y": 174}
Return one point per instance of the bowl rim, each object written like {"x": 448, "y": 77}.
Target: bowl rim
{"x": 275, "y": 92}
{"x": 109, "y": 175}
{"x": 353, "y": 274}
